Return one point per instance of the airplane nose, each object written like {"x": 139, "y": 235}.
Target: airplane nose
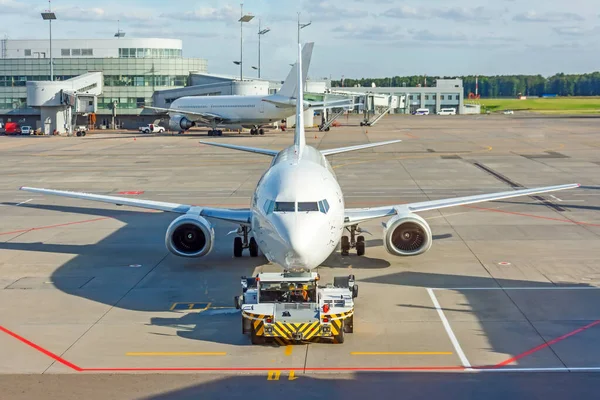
{"x": 299, "y": 247}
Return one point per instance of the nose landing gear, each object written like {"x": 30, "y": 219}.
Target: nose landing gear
{"x": 354, "y": 242}
{"x": 242, "y": 241}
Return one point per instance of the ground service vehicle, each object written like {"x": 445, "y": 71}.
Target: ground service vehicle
{"x": 286, "y": 307}
{"x": 447, "y": 111}
{"x": 151, "y": 128}
{"x": 421, "y": 111}
{"x": 12, "y": 128}
{"x": 26, "y": 130}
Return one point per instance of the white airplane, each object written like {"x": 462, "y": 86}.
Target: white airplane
{"x": 297, "y": 215}
{"x": 252, "y": 112}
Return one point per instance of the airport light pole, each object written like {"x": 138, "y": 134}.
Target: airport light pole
{"x": 243, "y": 18}
{"x": 301, "y": 26}
{"x": 49, "y": 16}
{"x": 260, "y": 33}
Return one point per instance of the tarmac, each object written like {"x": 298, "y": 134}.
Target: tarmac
{"x": 509, "y": 289}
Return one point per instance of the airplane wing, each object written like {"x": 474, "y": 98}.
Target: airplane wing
{"x": 356, "y": 215}
{"x": 240, "y": 216}
{"x": 330, "y": 152}
{"x": 205, "y": 117}
{"x": 257, "y": 150}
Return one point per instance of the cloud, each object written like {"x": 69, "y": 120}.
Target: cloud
{"x": 13, "y": 7}
{"x": 458, "y": 14}
{"x": 325, "y": 10}
{"x": 461, "y": 14}
{"x": 208, "y": 14}
{"x": 532, "y": 16}
{"x": 372, "y": 32}
{"x": 81, "y": 14}
{"x": 425, "y": 35}
{"x": 406, "y": 12}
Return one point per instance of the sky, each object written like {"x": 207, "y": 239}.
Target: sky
{"x": 354, "y": 39}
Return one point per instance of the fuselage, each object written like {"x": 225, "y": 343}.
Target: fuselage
{"x": 298, "y": 210}
{"x": 234, "y": 110}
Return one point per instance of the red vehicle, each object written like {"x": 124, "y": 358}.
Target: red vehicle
{"x": 12, "y": 128}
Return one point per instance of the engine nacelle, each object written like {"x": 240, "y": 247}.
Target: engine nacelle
{"x": 407, "y": 235}
{"x": 190, "y": 236}
{"x": 180, "y": 123}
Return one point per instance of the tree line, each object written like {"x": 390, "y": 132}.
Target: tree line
{"x": 497, "y": 86}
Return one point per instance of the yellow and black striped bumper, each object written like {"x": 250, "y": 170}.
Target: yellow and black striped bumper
{"x": 286, "y": 332}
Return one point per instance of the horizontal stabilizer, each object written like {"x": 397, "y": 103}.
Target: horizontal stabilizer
{"x": 265, "y": 152}
{"x": 357, "y": 147}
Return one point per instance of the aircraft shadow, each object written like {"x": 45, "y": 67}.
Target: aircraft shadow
{"x": 359, "y": 385}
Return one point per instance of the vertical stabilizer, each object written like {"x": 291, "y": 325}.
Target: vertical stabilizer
{"x": 289, "y": 87}
{"x": 299, "y": 139}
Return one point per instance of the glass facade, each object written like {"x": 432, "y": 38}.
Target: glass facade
{"x": 130, "y": 81}
{"x": 149, "y": 53}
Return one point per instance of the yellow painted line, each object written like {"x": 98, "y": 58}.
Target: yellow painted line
{"x": 401, "y": 353}
{"x": 288, "y": 350}
{"x": 175, "y": 353}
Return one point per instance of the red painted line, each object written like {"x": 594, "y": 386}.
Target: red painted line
{"x": 231, "y": 369}
{"x": 543, "y": 346}
{"x": 532, "y": 216}
{"x": 41, "y": 349}
{"x": 54, "y": 226}
{"x": 132, "y": 192}
{"x": 248, "y": 369}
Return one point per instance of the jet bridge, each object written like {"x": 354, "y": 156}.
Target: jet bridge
{"x": 61, "y": 101}
{"x": 374, "y": 106}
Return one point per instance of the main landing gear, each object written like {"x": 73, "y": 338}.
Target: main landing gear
{"x": 215, "y": 132}
{"x": 257, "y": 131}
{"x": 354, "y": 242}
{"x": 241, "y": 242}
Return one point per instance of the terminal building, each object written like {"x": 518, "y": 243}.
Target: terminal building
{"x": 133, "y": 69}
{"x": 447, "y": 93}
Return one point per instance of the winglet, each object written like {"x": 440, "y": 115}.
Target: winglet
{"x": 299, "y": 139}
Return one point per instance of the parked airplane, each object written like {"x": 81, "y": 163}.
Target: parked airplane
{"x": 252, "y": 112}
{"x": 297, "y": 215}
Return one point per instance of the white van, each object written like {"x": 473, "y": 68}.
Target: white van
{"x": 447, "y": 111}
{"x": 422, "y": 111}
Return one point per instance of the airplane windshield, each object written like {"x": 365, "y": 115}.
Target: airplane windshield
{"x": 285, "y": 206}
{"x": 308, "y": 206}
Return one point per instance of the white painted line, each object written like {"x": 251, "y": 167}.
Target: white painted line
{"x": 24, "y": 202}
{"x": 522, "y": 288}
{"x": 457, "y": 348}
{"x": 555, "y": 198}
{"x": 541, "y": 369}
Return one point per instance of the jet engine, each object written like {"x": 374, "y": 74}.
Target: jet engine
{"x": 190, "y": 236}
{"x": 180, "y": 123}
{"x": 407, "y": 235}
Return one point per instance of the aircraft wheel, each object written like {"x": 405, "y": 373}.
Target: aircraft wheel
{"x": 360, "y": 248}
{"x": 253, "y": 247}
{"x": 210, "y": 133}
{"x": 238, "y": 247}
{"x": 345, "y": 245}
{"x": 327, "y": 129}
{"x": 261, "y": 131}
{"x": 220, "y": 133}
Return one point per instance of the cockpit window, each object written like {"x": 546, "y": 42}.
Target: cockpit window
{"x": 324, "y": 206}
{"x": 308, "y": 206}
{"x": 285, "y": 206}
{"x": 269, "y": 205}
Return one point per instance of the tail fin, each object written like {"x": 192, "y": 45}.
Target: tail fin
{"x": 289, "y": 87}
{"x": 299, "y": 139}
